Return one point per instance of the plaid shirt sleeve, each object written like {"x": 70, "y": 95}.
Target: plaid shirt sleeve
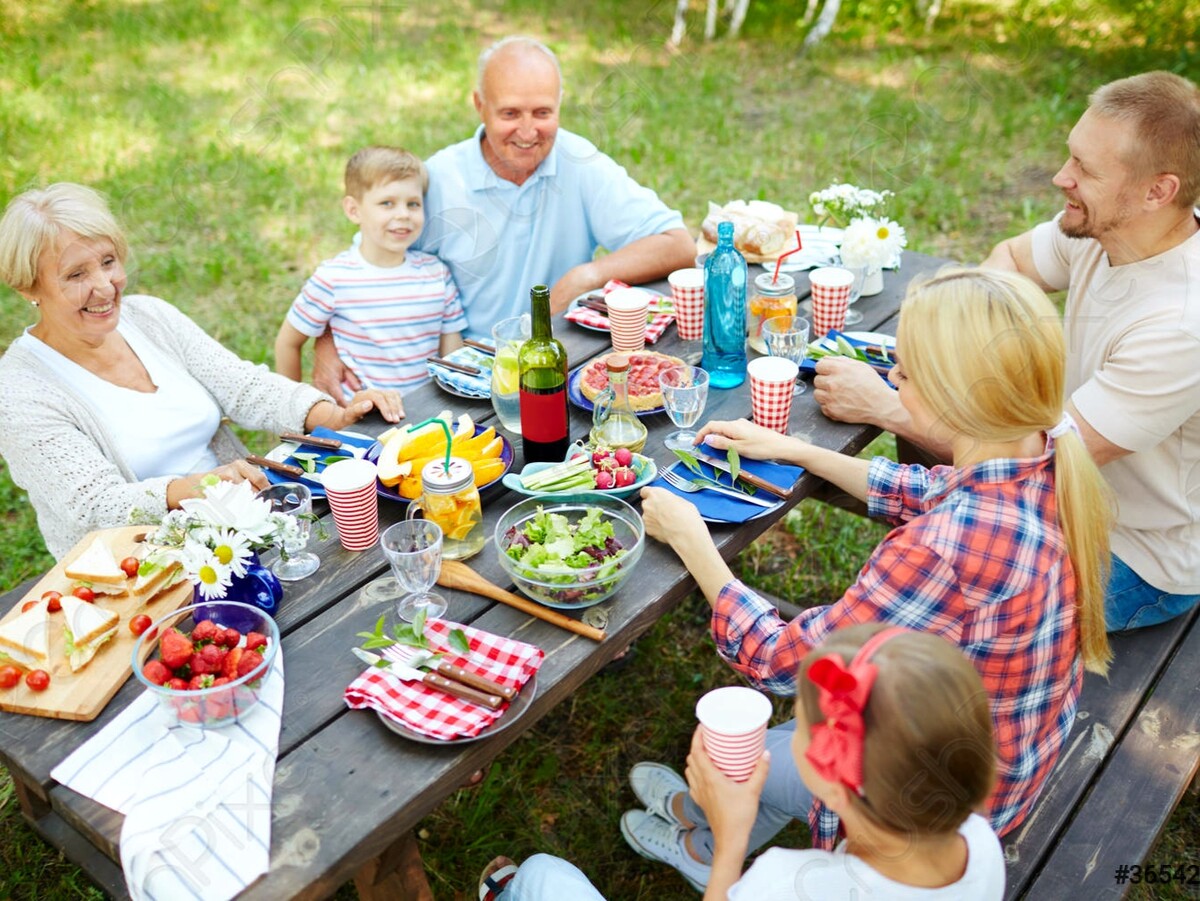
{"x": 898, "y": 492}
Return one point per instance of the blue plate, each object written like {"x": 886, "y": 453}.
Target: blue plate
{"x": 645, "y": 467}
{"x": 283, "y": 453}
{"x": 858, "y": 339}
{"x": 506, "y": 455}
{"x": 576, "y": 396}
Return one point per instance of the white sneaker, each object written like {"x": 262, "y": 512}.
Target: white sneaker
{"x": 656, "y": 786}
{"x": 657, "y": 839}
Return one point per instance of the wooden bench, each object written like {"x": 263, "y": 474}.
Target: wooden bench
{"x": 1131, "y": 754}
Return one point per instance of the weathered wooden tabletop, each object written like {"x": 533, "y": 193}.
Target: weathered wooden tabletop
{"x": 348, "y": 790}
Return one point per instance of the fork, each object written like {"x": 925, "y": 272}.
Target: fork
{"x": 417, "y": 659}
{"x": 691, "y": 486}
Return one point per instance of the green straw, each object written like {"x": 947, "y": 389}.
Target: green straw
{"x": 445, "y": 428}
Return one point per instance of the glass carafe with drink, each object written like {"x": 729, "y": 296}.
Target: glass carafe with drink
{"x": 450, "y": 499}
{"x": 542, "y": 379}
{"x": 614, "y": 424}
{"x": 725, "y": 312}
{"x": 508, "y": 335}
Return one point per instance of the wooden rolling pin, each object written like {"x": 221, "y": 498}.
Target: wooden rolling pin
{"x": 460, "y": 576}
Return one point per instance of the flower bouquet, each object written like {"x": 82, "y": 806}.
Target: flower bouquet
{"x": 216, "y": 537}
{"x": 843, "y": 203}
{"x": 875, "y": 243}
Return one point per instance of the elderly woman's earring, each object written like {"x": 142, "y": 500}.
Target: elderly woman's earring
{"x": 34, "y": 303}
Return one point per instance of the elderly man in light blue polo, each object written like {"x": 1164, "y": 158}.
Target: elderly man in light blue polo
{"x": 523, "y": 202}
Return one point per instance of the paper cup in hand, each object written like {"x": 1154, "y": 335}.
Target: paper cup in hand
{"x": 771, "y": 382}
{"x": 627, "y": 308}
{"x": 687, "y": 294}
{"x": 830, "y": 298}
{"x": 733, "y": 724}
{"x": 350, "y": 490}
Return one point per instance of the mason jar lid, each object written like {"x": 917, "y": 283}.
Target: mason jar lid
{"x": 783, "y": 285}
{"x": 441, "y": 479}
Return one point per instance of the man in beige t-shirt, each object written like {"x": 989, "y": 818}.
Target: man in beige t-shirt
{"x": 1126, "y": 247}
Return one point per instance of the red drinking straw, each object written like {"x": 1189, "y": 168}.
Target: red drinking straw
{"x": 779, "y": 262}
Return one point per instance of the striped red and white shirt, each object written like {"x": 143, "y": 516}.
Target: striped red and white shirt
{"x": 386, "y": 323}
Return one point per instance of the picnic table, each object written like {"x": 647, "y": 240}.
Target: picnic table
{"x": 331, "y": 821}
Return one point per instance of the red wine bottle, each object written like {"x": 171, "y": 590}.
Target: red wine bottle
{"x": 542, "y": 364}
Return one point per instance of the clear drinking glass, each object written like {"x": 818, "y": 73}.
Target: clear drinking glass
{"x": 853, "y": 317}
{"x": 508, "y": 335}
{"x": 685, "y": 392}
{"x": 294, "y": 562}
{"x": 787, "y": 336}
{"x": 414, "y": 551}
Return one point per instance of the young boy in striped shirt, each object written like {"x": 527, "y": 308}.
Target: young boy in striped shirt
{"x": 388, "y": 307}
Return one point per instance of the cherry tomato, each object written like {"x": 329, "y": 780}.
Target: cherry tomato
{"x": 9, "y": 676}
{"x": 139, "y": 624}
{"x": 38, "y": 680}
{"x": 53, "y": 600}
{"x": 130, "y": 565}
{"x": 27, "y": 605}
{"x": 84, "y": 593}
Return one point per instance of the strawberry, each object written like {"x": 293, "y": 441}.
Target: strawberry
{"x": 221, "y": 680}
{"x": 190, "y": 714}
{"x": 199, "y": 682}
{"x": 255, "y": 640}
{"x": 214, "y": 656}
{"x": 248, "y": 663}
{"x": 200, "y": 666}
{"x": 230, "y": 668}
{"x": 175, "y": 648}
{"x": 218, "y": 708}
{"x": 206, "y": 630}
{"x": 157, "y": 672}
{"x": 229, "y": 638}
{"x": 178, "y": 684}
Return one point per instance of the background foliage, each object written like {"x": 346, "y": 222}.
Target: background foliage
{"x": 220, "y": 129}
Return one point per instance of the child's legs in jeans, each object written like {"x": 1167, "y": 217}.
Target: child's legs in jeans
{"x": 784, "y": 798}
{"x": 543, "y": 877}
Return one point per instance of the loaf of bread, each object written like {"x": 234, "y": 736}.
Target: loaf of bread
{"x": 759, "y": 228}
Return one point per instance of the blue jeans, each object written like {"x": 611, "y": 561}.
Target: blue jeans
{"x": 784, "y": 797}
{"x": 547, "y": 878}
{"x": 1132, "y": 603}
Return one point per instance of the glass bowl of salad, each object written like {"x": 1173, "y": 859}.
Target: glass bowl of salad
{"x": 570, "y": 552}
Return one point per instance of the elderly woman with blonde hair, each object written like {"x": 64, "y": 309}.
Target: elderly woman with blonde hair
{"x": 1004, "y": 553}
{"x": 111, "y": 402}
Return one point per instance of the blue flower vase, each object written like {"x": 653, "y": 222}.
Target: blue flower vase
{"x": 259, "y": 587}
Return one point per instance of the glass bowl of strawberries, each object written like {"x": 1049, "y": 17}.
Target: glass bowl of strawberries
{"x": 212, "y": 661}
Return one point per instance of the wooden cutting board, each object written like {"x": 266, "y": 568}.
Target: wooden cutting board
{"x": 82, "y": 695}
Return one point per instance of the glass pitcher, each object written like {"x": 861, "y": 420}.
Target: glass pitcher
{"x": 508, "y": 335}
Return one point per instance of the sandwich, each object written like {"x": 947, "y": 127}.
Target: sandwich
{"x": 156, "y": 575}
{"x": 97, "y": 569}
{"x": 26, "y": 639}
{"x": 87, "y": 628}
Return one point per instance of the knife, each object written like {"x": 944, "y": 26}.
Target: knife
{"x": 480, "y": 346}
{"x": 419, "y": 659}
{"x": 286, "y": 469}
{"x": 457, "y": 367}
{"x": 434, "y": 680}
{"x": 312, "y": 440}
{"x": 747, "y": 477}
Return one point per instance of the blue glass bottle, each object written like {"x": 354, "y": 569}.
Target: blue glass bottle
{"x": 725, "y": 312}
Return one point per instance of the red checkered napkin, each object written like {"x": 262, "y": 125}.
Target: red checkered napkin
{"x": 664, "y": 313}
{"x": 435, "y": 713}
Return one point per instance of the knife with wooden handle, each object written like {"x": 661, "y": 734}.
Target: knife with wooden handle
{"x": 487, "y": 686}
{"x": 286, "y": 469}
{"x": 433, "y": 680}
{"x": 313, "y": 440}
{"x": 457, "y": 367}
{"x": 480, "y": 346}
{"x": 748, "y": 477}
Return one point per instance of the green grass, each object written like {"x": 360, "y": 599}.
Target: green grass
{"x": 220, "y": 130}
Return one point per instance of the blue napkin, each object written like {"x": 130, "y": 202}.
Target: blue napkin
{"x": 470, "y": 385}
{"x": 314, "y": 485}
{"x": 719, "y": 507}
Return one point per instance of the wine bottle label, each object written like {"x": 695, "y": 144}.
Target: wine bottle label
{"x": 544, "y": 414}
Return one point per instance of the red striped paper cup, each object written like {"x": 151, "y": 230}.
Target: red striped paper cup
{"x": 627, "y": 309}
{"x": 772, "y": 380}
{"x": 733, "y": 726}
{"x": 687, "y": 295}
{"x": 830, "y": 298}
{"x": 350, "y": 490}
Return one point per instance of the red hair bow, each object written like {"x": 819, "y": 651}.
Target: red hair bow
{"x": 836, "y": 746}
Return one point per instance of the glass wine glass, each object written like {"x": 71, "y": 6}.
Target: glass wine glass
{"x": 860, "y": 273}
{"x": 294, "y": 561}
{"x": 787, "y": 336}
{"x": 414, "y": 551}
{"x": 685, "y": 392}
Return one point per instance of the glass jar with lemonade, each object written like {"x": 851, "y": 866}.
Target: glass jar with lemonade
{"x": 450, "y": 499}
{"x": 768, "y": 299}
{"x": 508, "y": 335}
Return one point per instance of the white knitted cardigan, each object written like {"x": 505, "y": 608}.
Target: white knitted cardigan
{"x": 64, "y": 455}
